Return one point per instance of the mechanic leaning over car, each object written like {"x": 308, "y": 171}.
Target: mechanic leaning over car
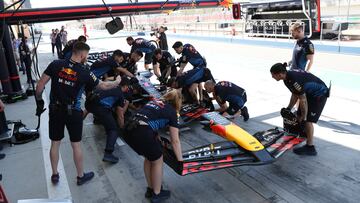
{"x": 141, "y": 134}
{"x": 128, "y": 66}
{"x": 312, "y": 93}
{"x": 144, "y": 46}
{"x": 69, "y": 78}
{"x": 190, "y": 81}
{"x": 164, "y": 65}
{"x": 105, "y": 105}
{"x": 225, "y": 91}
{"x": 105, "y": 67}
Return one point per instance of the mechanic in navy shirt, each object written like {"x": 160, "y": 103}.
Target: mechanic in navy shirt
{"x": 188, "y": 54}
{"x": 303, "y": 54}
{"x": 164, "y": 65}
{"x": 128, "y": 66}
{"x": 105, "y": 67}
{"x": 312, "y": 94}
{"x": 103, "y": 104}
{"x": 225, "y": 91}
{"x": 68, "y": 79}
{"x": 144, "y": 46}
{"x": 190, "y": 81}
{"x": 142, "y": 137}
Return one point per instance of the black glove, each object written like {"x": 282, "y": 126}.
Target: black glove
{"x": 39, "y": 107}
{"x": 286, "y": 113}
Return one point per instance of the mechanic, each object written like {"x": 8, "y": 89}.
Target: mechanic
{"x": 188, "y": 54}
{"x": 225, "y": 91}
{"x": 103, "y": 103}
{"x": 143, "y": 138}
{"x": 312, "y": 94}
{"x": 128, "y": 66}
{"x": 69, "y": 77}
{"x": 105, "y": 67}
{"x": 303, "y": 53}
{"x": 163, "y": 65}
{"x": 190, "y": 81}
{"x": 144, "y": 46}
{"x": 67, "y": 51}
{"x": 161, "y": 37}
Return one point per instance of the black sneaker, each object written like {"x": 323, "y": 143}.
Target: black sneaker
{"x": 55, "y": 178}
{"x": 245, "y": 113}
{"x": 110, "y": 158}
{"x": 163, "y": 195}
{"x": 86, "y": 177}
{"x": 305, "y": 150}
{"x": 149, "y": 192}
{"x": 2, "y": 156}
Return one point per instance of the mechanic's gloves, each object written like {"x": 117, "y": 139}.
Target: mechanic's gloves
{"x": 162, "y": 80}
{"x": 40, "y": 107}
{"x": 286, "y": 113}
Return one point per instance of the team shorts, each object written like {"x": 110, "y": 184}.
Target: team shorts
{"x": 59, "y": 119}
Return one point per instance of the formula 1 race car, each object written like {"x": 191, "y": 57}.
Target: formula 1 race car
{"x": 240, "y": 147}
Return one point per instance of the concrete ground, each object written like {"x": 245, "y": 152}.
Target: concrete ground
{"x": 332, "y": 176}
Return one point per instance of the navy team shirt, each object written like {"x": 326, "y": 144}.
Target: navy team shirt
{"x": 101, "y": 67}
{"x": 111, "y": 98}
{"x": 166, "y": 60}
{"x": 158, "y": 115}
{"x": 229, "y": 92}
{"x": 142, "y": 45}
{"x": 300, "y": 82}
{"x": 68, "y": 80}
{"x": 191, "y": 55}
{"x": 302, "y": 48}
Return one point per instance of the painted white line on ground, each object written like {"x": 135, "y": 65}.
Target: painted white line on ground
{"x": 61, "y": 190}
{"x": 119, "y": 142}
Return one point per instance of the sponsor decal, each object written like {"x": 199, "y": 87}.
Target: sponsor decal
{"x": 297, "y": 86}
{"x": 67, "y": 76}
{"x": 206, "y": 166}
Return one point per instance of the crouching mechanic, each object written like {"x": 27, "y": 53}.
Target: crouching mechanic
{"x": 144, "y": 46}
{"x": 142, "y": 136}
{"x": 102, "y": 103}
{"x": 164, "y": 65}
{"x": 225, "y": 91}
{"x": 188, "y": 54}
{"x": 105, "y": 67}
{"x": 312, "y": 94}
{"x": 69, "y": 77}
{"x": 190, "y": 81}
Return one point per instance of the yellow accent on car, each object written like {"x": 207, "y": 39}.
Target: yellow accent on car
{"x": 242, "y": 138}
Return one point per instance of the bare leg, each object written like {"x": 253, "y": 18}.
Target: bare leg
{"x": 309, "y": 130}
{"x": 193, "y": 91}
{"x": 54, "y": 156}
{"x": 78, "y": 158}
{"x": 157, "y": 174}
{"x": 147, "y": 171}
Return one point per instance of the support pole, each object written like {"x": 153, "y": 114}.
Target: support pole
{"x": 4, "y": 72}
{"x": 10, "y": 59}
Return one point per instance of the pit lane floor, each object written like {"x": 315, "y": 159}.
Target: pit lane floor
{"x": 332, "y": 176}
